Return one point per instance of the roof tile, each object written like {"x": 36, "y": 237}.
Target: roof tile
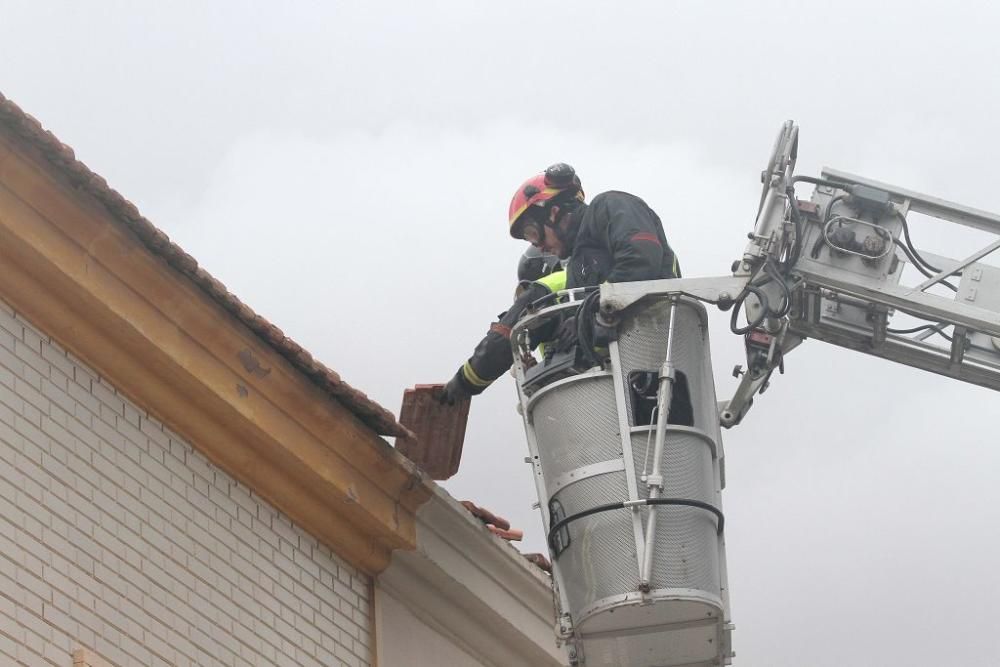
{"x": 64, "y": 159}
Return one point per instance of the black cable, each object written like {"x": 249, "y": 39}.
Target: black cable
{"x": 774, "y": 274}
{"x": 585, "y": 330}
{"x": 829, "y": 207}
{"x": 817, "y": 246}
{"x": 911, "y": 252}
{"x": 753, "y": 287}
{"x": 796, "y": 251}
{"x": 748, "y": 289}
{"x": 916, "y": 256}
{"x": 597, "y": 509}
{"x": 814, "y": 252}
{"x": 936, "y": 328}
{"x": 913, "y": 260}
{"x": 820, "y": 181}
{"x": 683, "y": 502}
{"x": 911, "y": 330}
{"x": 795, "y": 210}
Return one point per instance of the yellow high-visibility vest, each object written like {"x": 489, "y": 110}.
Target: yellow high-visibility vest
{"x": 554, "y": 282}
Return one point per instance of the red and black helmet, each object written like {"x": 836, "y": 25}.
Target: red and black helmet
{"x": 558, "y": 179}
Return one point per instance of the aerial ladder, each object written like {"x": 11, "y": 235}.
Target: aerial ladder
{"x": 625, "y": 442}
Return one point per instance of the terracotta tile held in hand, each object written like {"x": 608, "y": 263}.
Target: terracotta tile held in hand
{"x": 438, "y": 430}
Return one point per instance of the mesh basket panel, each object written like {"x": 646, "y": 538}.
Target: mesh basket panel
{"x": 601, "y": 559}
{"x": 642, "y": 345}
{"x": 686, "y": 465}
{"x": 687, "y": 550}
{"x": 576, "y": 424}
{"x": 686, "y": 541}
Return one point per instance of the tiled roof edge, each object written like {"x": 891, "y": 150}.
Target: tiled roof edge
{"x": 64, "y": 159}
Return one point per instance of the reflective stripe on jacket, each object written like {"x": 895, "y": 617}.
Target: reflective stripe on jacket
{"x": 493, "y": 356}
{"x": 619, "y": 239}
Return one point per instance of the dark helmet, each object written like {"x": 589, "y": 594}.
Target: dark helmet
{"x": 535, "y": 264}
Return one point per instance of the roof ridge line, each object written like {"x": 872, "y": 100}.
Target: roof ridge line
{"x": 61, "y": 156}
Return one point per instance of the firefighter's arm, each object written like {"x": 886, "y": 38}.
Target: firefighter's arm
{"x": 492, "y": 356}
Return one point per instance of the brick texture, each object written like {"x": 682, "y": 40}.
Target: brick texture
{"x": 119, "y": 537}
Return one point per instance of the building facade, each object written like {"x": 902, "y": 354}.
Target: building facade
{"x": 180, "y": 484}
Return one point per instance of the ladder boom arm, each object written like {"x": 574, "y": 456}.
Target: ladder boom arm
{"x": 841, "y": 267}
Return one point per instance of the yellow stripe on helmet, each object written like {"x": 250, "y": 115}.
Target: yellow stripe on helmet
{"x": 549, "y": 194}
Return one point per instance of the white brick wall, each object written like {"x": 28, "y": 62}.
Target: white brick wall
{"x": 118, "y": 537}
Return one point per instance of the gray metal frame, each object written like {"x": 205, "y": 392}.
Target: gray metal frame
{"x": 912, "y": 350}
{"x": 831, "y": 287}
{"x": 643, "y": 528}
{"x": 843, "y": 297}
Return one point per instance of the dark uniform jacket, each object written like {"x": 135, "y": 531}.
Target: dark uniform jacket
{"x": 619, "y": 239}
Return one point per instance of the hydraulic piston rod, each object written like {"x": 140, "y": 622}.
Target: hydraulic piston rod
{"x": 654, "y": 481}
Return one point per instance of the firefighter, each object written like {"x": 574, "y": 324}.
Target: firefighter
{"x": 615, "y": 238}
{"x": 538, "y": 274}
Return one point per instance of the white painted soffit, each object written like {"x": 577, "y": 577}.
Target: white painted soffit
{"x": 474, "y": 588}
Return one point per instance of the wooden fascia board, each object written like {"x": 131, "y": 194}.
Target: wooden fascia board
{"x": 85, "y": 279}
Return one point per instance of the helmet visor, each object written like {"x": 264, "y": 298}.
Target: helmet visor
{"x": 531, "y": 225}
{"x": 532, "y": 232}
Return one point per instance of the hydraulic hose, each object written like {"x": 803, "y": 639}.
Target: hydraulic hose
{"x": 910, "y": 254}
{"x": 819, "y": 181}
{"x": 584, "y": 328}
{"x": 748, "y": 289}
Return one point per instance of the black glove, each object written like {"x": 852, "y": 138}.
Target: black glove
{"x": 455, "y": 391}
{"x": 566, "y": 336}
{"x": 603, "y": 333}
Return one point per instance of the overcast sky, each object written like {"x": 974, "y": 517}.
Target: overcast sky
{"x": 345, "y": 169}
